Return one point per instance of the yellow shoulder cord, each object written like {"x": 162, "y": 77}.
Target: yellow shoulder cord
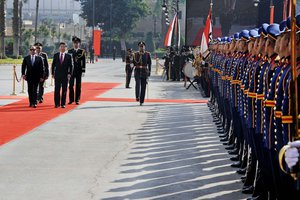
{"x": 281, "y": 156}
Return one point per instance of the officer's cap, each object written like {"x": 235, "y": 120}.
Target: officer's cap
{"x": 282, "y": 26}
{"x": 298, "y": 23}
{"x": 236, "y": 36}
{"x": 273, "y": 31}
{"x": 253, "y": 34}
{"x": 229, "y": 39}
{"x": 244, "y": 35}
{"x": 263, "y": 30}
{"x": 38, "y": 44}
{"x": 141, "y": 43}
{"x": 289, "y": 23}
{"x": 75, "y": 39}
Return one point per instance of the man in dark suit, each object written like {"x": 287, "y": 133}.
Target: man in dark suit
{"x": 62, "y": 69}
{"x": 33, "y": 72}
{"x": 78, "y": 72}
{"x": 40, "y": 95}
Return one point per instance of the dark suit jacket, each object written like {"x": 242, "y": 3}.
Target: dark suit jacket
{"x": 46, "y": 65}
{"x": 61, "y": 71}
{"x": 33, "y": 72}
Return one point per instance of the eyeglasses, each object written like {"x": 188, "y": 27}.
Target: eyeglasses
{"x": 32, "y": 49}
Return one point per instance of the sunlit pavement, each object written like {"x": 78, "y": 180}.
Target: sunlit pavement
{"x": 115, "y": 149}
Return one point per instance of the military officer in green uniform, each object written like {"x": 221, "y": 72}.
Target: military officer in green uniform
{"x": 142, "y": 63}
{"x": 40, "y": 95}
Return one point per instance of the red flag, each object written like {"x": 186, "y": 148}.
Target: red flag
{"x": 207, "y": 34}
{"x": 97, "y": 42}
{"x": 173, "y": 29}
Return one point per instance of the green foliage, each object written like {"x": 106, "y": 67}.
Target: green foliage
{"x": 150, "y": 42}
{"x": 125, "y": 14}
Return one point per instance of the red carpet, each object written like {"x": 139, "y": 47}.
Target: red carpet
{"x": 183, "y": 101}
{"x": 13, "y": 97}
{"x": 17, "y": 119}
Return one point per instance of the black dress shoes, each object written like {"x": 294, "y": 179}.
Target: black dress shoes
{"x": 231, "y": 147}
{"x": 77, "y": 102}
{"x": 137, "y": 99}
{"x": 224, "y": 139}
{"x": 241, "y": 171}
{"x": 34, "y": 106}
{"x": 234, "y": 158}
{"x": 70, "y": 102}
{"x": 248, "y": 190}
{"x": 236, "y": 164}
{"x": 63, "y": 106}
{"x": 56, "y": 106}
{"x": 233, "y": 152}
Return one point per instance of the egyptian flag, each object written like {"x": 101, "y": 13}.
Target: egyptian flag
{"x": 207, "y": 35}
{"x": 173, "y": 34}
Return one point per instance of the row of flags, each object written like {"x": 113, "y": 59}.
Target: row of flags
{"x": 173, "y": 33}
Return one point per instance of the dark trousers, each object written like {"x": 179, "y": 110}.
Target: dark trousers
{"x": 75, "y": 77}
{"x": 140, "y": 88}
{"x": 32, "y": 91}
{"x": 128, "y": 75}
{"x": 40, "y": 94}
{"x": 60, "y": 84}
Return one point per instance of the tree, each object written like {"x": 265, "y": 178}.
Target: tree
{"x": 2, "y": 28}
{"x": 125, "y": 14}
{"x": 150, "y": 42}
{"x": 16, "y": 29}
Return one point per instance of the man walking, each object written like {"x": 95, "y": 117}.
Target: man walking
{"x": 62, "y": 68}
{"x": 78, "y": 56}
{"x": 40, "y": 95}
{"x": 33, "y": 73}
{"x": 142, "y": 63}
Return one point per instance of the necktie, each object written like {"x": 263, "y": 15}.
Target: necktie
{"x": 32, "y": 60}
{"x": 61, "y": 58}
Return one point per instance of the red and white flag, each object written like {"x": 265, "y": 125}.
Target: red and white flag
{"x": 207, "y": 35}
{"x": 173, "y": 33}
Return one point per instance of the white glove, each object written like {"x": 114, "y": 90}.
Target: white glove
{"x": 83, "y": 74}
{"x": 292, "y": 154}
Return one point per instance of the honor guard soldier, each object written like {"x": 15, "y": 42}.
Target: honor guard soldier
{"x": 78, "y": 71}
{"x": 40, "y": 95}
{"x": 290, "y": 152}
{"x": 142, "y": 62}
{"x": 128, "y": 67}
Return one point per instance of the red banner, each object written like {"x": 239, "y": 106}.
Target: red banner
{"x": 97, "y": 42}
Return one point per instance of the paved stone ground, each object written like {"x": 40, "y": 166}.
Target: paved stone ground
{"x": 119, "y": 150}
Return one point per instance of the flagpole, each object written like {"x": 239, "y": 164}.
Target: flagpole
{"x": 211, "y": 9}
{"x": 294, "y": 89}
{"x": 285, "y": 4}
{"x": 271, "y": 12}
